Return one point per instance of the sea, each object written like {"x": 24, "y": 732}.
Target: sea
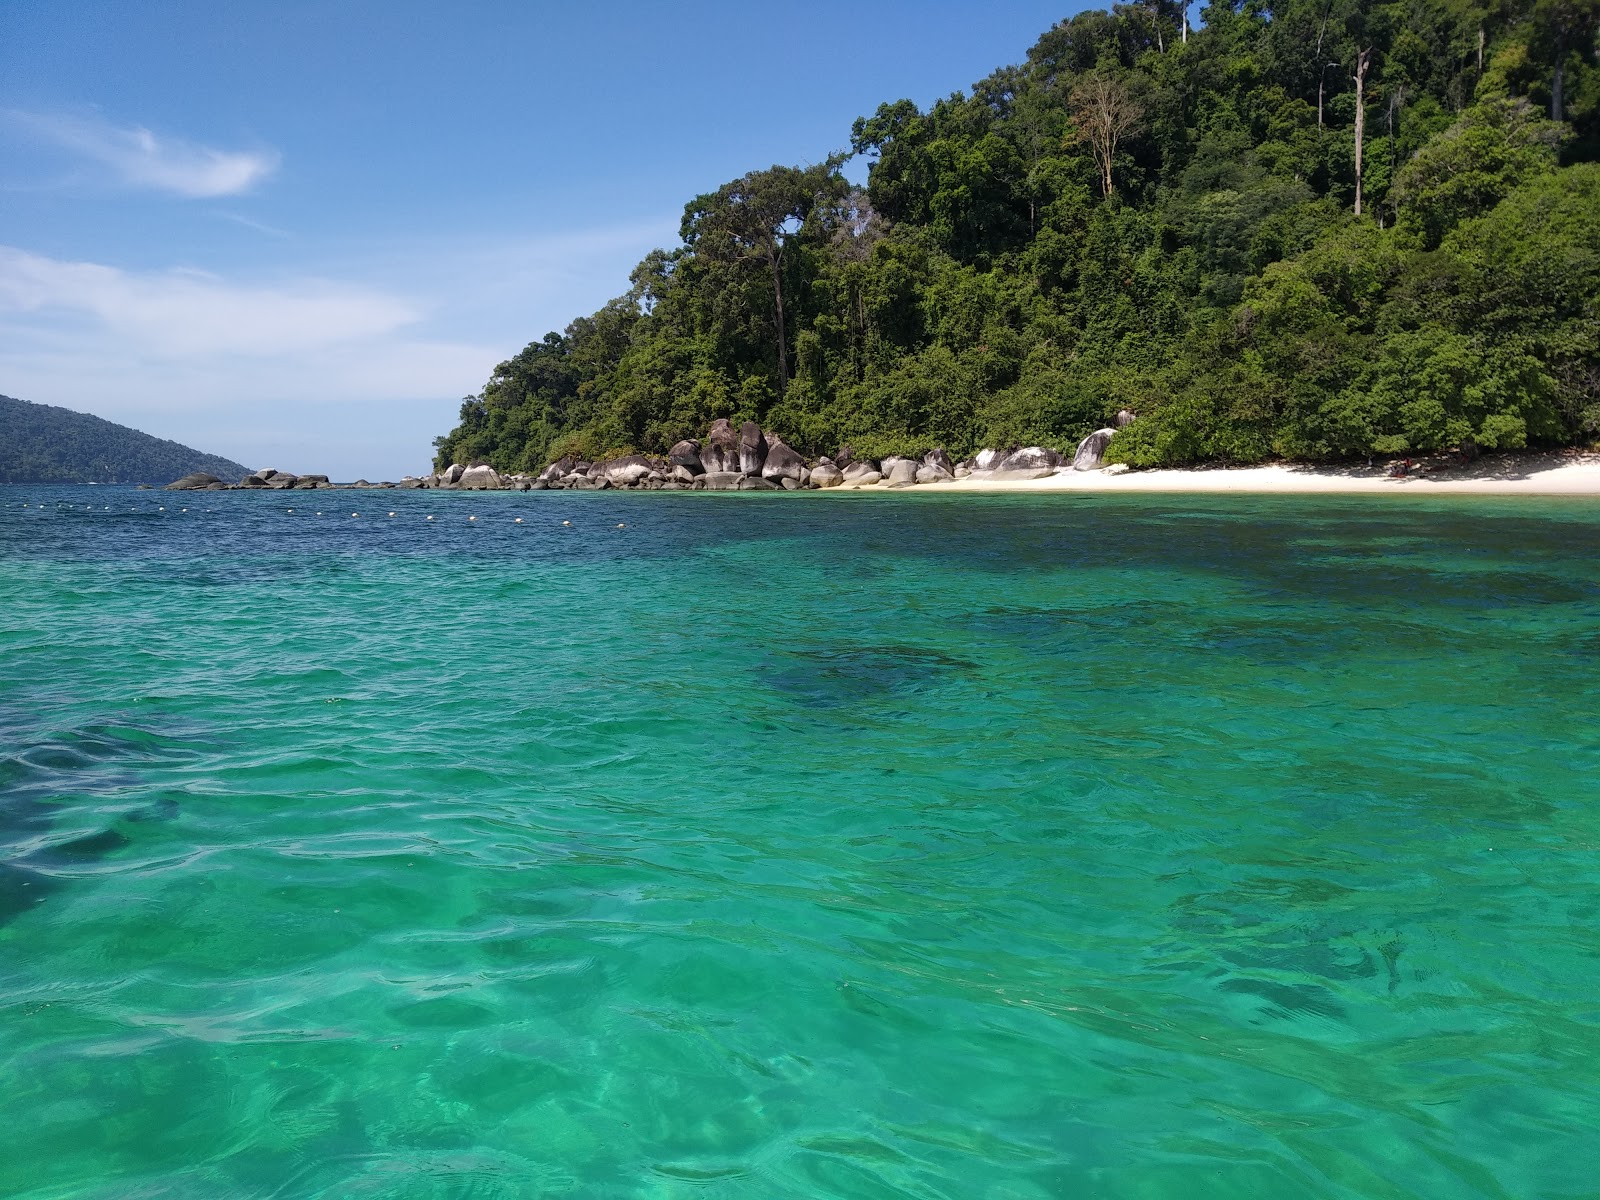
{"x": 428, "y": 845}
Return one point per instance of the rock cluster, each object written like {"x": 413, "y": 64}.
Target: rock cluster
{"x": 743, "y": 459}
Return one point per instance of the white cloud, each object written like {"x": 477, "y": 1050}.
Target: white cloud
{"x": 348, "y": 366}
{"x": 186, "y": 313}
{"x": 141, "y": 158}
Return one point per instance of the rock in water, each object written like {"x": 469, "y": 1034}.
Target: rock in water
{"x": 752, "y": 448}
{"x": 481, "y": 478}
{"x": 559, "y": 469}
{"x": 628, "y": 471}
{"x": 721, "y": 481}
{"x": 782, "y": 462}
{"x": 719, "y": 453}
{"x": 686, "y": 454}
{"x": 193, "y": 482}
{"x": 451, "y": 474}
{"x": 1092, "y": 449}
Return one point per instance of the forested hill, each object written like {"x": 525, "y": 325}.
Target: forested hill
{"x": 1316, "y": 229}
{"x": 40, "y": 443}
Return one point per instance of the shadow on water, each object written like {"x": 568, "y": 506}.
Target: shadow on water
{"x": 834, "y": 676}
{"x": 41, "y": 781}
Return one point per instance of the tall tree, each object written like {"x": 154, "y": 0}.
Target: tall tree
{"x": 1104, "y": 111}
{"x": 754, "y": 219}
{"x": 1559, "y": 28}
{"x": 1363, "y": 63}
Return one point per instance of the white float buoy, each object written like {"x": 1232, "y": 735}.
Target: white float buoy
{"x": 519, "y": 520}
{"x": 472, "y": 518}
{"x": 355, "y": 514}
{"x": 391, "y": 514}
{"x": 430, "y": 518}
{"x": 566, "y": 522}
{"x": 620, "y": 525}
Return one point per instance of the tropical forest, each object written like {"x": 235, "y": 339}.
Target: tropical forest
{"x": 1307, "y": 230}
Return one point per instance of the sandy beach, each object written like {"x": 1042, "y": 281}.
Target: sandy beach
{"x": 1556, "y": 473}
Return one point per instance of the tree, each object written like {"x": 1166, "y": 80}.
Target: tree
{"x": 1104, "y": 111}
{"x": 754, "y": 219}
{"x": 1559, "y": 27}
{"x": 1363, "y": 62}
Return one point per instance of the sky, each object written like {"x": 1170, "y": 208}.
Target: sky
{"x": 297, "y": 234}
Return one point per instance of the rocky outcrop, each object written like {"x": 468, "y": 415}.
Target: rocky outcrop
{"x": 686, "y": 454}
{"x": 1092, "y": 450}
{"x": 452, "y": 473}
{"x": 862, "y": 473}
{"x": 627, "y": 471}
{"x": 481, "y": 478}
{"x": 752, "y": 448}
{"x": 938, "y": 458}
{"x": 195, "y": 481}
{"x": 721, "y": 481}
{"x": 781, "y": 462}
{"x": 932, "y": 473}
{"x": 900, "y": 471}
{"x": 826, "y": 475}
{"x": 720, "y": 453}
{"x": 1030, "y": 458}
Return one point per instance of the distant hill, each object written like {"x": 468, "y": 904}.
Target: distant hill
{"x": 40, "y": 443}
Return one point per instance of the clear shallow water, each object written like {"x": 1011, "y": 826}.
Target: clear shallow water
{"x": 900, "y": 846}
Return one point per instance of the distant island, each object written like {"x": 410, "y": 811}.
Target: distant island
{"x": 1307, "y": 231}
{"x": 40, "y": 443}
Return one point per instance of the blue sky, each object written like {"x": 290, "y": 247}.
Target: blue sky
{"x": 298, "y": 233}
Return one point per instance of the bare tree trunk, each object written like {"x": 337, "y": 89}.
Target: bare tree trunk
{"x": 1363, "y": 60}
{"x": 1184, "y": 27}
{"x": 1322, "y": 67}
{"x": 1320, "y": 84}
{"x": 1557, "y": 85}
{"x": 777, "y": 309}
{"x": 1480, "y": 49}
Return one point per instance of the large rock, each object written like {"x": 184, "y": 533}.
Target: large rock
{"x": 451, "y": 474}
{"x": 862, "y": 474}
{"x": 264, "y": 474}
{"x": 281, "y": 481}
{"x": 844, "y": 458}
{"x": 685, "y": 474}
{"x": 938, "y": 458}
{"x": 752, "y": 448}
{"x": 482, "y": 478}
{"x": 986, "y": 460}
{"x": 720, "y": 453}
{"x": 826, "y": 475}
{"x": 560, "y": 469}
{"x": 901, "y": 471}
{"x": 930, "y": 473}
{"x": 1092, "y": 450}
{"x": 720, "y": 481}
{"x": 253, "y": 481}
{"x": 686, "y": 454}
{"x": 193, "y": 482}
{"x": 628, "y": 471}
{"x": 782, "y": 462}
{"x": 754, "y": 483}
{"x": 890, "y": 462}
{"x": 1029, "y": 458}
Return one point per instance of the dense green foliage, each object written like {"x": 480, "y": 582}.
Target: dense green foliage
{"x": 40, "y": 443}
{"x": 1137, "y": 218}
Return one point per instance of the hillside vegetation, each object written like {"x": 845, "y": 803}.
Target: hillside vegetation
{"x": 1317, "y": 230}
{"x": 40, "y": 443}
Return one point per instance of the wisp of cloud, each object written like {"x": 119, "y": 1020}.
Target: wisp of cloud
{"x": 140, "y": 158}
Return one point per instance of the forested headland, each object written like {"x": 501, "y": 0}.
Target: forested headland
{"x": 1318, "y": 229}
{"x": 40, "y": 443}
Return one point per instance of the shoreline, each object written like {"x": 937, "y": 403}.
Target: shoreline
{"x": 1556, "y": 473}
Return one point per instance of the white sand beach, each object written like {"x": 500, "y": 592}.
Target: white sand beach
{"x": 1557, "y": 473}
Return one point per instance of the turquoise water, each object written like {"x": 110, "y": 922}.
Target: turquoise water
{"x": 816, "y": 846}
